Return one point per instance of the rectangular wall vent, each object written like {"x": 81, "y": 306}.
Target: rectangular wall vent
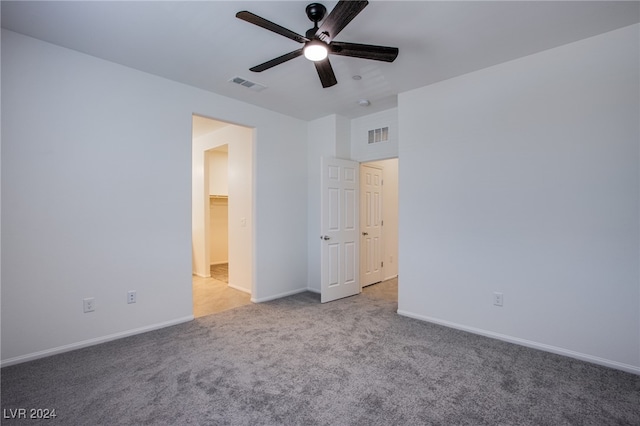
{"x": 256, "y": 87}
{"x": 379, "y": 135}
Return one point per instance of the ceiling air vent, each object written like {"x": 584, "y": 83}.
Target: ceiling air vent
{"x": 249, "y": 84}
{"x": 379, "y": 135}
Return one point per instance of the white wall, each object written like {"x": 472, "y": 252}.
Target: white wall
{"x": 523, "y": 178}
{"x": 389, "y": 216}
{"x": 200, "y": 223}
{"x": 219, "y": 171}
{"x": 219, "y": 231}
{"x": 361, "y": 149}
{"x": 219, "y": 207}
{"x": 342, "y": 136}
{"x": 240, "y": 214}
{"x": 96, "y": 178}
{"x": 326, "y": 137}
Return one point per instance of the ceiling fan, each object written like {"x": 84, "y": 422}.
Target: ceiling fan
{"x": 319, "y": 41}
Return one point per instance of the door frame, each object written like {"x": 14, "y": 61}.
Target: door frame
{"x": 389, "y": 248}
{"x": 200, "y": 204}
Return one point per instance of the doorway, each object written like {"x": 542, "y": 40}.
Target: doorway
{"x": 222, "y": 224}
{"x": 379, "y": 226}
{"x": 343, "y": 230}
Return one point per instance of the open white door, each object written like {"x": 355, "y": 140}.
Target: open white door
{"x": 370, "y": 225}
{"x": 340, "y": 235}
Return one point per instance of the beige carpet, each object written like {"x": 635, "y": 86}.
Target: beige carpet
{"x": 220, "y": 272}
{"x": 213, "y": 295}
{"x": 385, "y": 290}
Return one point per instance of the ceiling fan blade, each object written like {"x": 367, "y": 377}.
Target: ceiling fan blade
{"x": 277, "y": 61}
{"x": 339, "y": 17}
{"x": 261, "y": 22}
{"x": 325, "y": 72}
{"x": 365, "y": 51}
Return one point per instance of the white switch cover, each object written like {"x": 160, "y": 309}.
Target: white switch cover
{"x": 498, "y": 299}
{"x": 89, "y": 304}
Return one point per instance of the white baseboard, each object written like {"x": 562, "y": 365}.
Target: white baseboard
{"x": 218, "y": 263}
{"x": 201, "y": 275}
{"x": 528, "y": 343}
{"x": 278, "y": 296}
{"x": 91, "y": 342}
{"x": 242, "y": 289}
{"x": 313, "y": 290}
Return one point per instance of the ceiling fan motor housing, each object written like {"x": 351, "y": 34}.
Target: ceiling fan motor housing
{"x": 316, "y": 12}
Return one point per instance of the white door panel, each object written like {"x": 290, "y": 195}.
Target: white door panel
{"x": 371, "y": 224}
{"x": 340, "y": 235}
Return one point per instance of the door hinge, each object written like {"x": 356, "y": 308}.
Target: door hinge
{"x": 382, "y": 264}
{"x": 382, "y": 223}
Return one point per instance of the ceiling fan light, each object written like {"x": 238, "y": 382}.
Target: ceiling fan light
{"x": 315, "y": 51}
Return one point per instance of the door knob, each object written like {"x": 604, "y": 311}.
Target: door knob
{"x": 365, "y": 233}
{"x": 326, "y": 238}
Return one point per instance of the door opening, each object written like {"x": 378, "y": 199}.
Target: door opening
{"x": 348, "y": 262}
{"x": 222, "y": 225}
{"x": 371, "y": 222}
{"x": 339, "y": 227}
{"x": 378, "y": 221}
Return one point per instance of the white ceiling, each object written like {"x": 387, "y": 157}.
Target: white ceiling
{"x": 203, "y": 44}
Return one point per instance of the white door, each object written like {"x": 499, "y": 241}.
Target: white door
{"x": 370, "y": 225}
{"x": 339, "y": 239}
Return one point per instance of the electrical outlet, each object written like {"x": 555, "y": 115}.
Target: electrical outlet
{"x": 131, "y": 296}
{"x": 497, "y": 299}
{"x": 89, "y": 304}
